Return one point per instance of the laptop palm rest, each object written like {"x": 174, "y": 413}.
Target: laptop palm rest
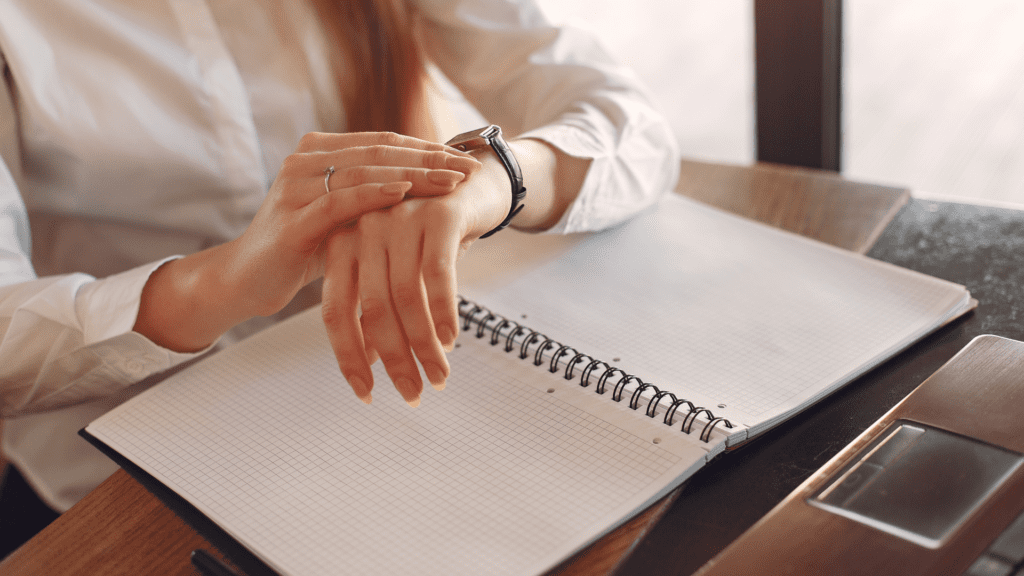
{"x": 917, "y": 482}
{"x": 935, "y": 486}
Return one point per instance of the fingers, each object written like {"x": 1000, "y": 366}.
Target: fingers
{"x": 440, "y": 252}
{"x": 323, "y": 142}
{"x": 432, "y": 169}
{"x": 380, "y": 325}
{"x": 405, "y": 285}
{"x": 449, "y": 159}
{"x": 340, "y": 313}
{"x": 409, "y": 298}
{"x": 329, "y": 211}
{"x": 425, "y": 182}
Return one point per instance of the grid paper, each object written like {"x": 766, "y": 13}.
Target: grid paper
{"x": 490, "y": 476}
{"x": 747, "y": 320}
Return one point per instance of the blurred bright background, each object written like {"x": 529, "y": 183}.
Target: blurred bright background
{"x": 933, "y": 90}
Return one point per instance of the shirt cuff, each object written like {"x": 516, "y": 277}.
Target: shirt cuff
{"x": 624, "y": 177}
{"x": 108, "y": 309}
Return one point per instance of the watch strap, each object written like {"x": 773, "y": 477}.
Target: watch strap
{"x": 492, "y": 136}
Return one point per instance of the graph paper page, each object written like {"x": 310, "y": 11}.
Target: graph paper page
{"x": 747, "y": 320}
{"x": 506, "y": 471}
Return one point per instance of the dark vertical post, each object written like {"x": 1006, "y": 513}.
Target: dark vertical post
{"x": 798, "y": 56}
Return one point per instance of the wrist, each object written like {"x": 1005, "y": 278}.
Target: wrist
{"x": 554, "y": 178}
{"x": 491, "y": 186}
{"x": 186, "y": 305}
{"x": 491, "y": 140}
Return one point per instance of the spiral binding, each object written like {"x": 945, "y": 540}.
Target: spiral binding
{"x": 501, "y": 328}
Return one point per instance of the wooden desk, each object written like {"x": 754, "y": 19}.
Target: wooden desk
{"x": 120, "y": 528}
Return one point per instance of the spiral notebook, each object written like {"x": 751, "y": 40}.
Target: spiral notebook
{"x": 594, "y": 374}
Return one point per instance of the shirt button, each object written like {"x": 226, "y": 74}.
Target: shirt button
{"x": 135, "y": 367}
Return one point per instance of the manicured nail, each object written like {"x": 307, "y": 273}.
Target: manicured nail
{"x": 452, "y": 150}
{"x": 395, "y": 188}
{"x": 462, "y": 164}
{"x": 447, "y": 335}
{"x": 405, "y": 384}
{"x": 435, "y": 374}
{"x": 445, "y": 177}
{"x": 361, "y": 389}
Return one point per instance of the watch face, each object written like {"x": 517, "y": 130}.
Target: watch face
{"x": 475, "y": 138}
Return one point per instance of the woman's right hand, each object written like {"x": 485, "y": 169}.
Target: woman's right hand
{"x": 281, "y": 251}
{"x": 188, "y": 303}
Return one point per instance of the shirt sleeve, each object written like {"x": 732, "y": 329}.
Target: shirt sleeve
{"x": 557, "y": 85}
{"x": 65, "y": 339}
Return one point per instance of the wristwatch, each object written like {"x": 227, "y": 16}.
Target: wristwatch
{"x": 491, "y": 136}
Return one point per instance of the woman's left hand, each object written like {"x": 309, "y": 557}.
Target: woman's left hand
{"x": 397, "y": 266}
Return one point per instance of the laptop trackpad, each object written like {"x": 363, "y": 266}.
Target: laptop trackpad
{"x": 917, "y": 482}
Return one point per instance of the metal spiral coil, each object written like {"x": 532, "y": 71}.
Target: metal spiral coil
{"x": 474, "y": 314}
{"x": 538, "y": 356}
{"x": 524, "y": 348}
{"x": 562, "y": 352}
{"x": 571, "y": 366}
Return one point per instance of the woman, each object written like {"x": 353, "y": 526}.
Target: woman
{"x": 147, "y": 130}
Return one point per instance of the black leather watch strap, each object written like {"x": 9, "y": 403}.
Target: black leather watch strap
{"x": 491, "y": 136}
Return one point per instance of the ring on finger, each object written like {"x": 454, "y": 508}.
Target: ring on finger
{"x": 327, "y": 178}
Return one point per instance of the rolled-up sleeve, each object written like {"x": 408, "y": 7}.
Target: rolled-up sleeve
{"x": 557, "y": 85}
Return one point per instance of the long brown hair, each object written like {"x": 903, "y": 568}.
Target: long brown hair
{"x": 383, "y": 83}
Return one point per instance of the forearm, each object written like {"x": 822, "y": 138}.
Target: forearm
{"x": 562, "y": 89}
{"x": 553, "y": 180}
{"x": 187, "y": 304}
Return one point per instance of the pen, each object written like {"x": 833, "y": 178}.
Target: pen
{"x": 209, "y": 565}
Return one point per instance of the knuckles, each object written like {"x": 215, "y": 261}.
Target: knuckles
{"x": 374, "y": 311}
{"x": 379, "y": 155}
{"x": 422, "y": 213}
{"x": 406, "y": 294}
{"x": 437, "y": 160}
{"x": 356, "y": 174}
{"x": 390, "y": 139}
{"x": 293, "y": 164}
{"x": 334, "y": 315}
{"x": 311, "y": 141}
{"x": 437, "y": 270}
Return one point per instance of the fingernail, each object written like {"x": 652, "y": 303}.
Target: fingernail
{"x": 361, "y": 389}
{"x": 462, "y": 164}
{"x": 404, "y": 384}
{"x": 435, "y": 374}
{"x": 446, "y": 334}
{"x": 395, "y": 188}
{"x": 445, "y": 177}
{"x": 452, "y": 150}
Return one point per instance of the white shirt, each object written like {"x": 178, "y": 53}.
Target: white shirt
{"x": 151, "y": 128}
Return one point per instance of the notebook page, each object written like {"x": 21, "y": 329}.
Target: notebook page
{"x": 747, "y": 320}
{"x": 493, "y": 475}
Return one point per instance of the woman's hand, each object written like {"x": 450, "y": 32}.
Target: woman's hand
{"x": 397, "y": 266}
{"x": 281, "y": 251}
{"x": 190, "y": 302}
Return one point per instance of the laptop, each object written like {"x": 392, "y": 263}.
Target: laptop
{"x": 936, "y": 486}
